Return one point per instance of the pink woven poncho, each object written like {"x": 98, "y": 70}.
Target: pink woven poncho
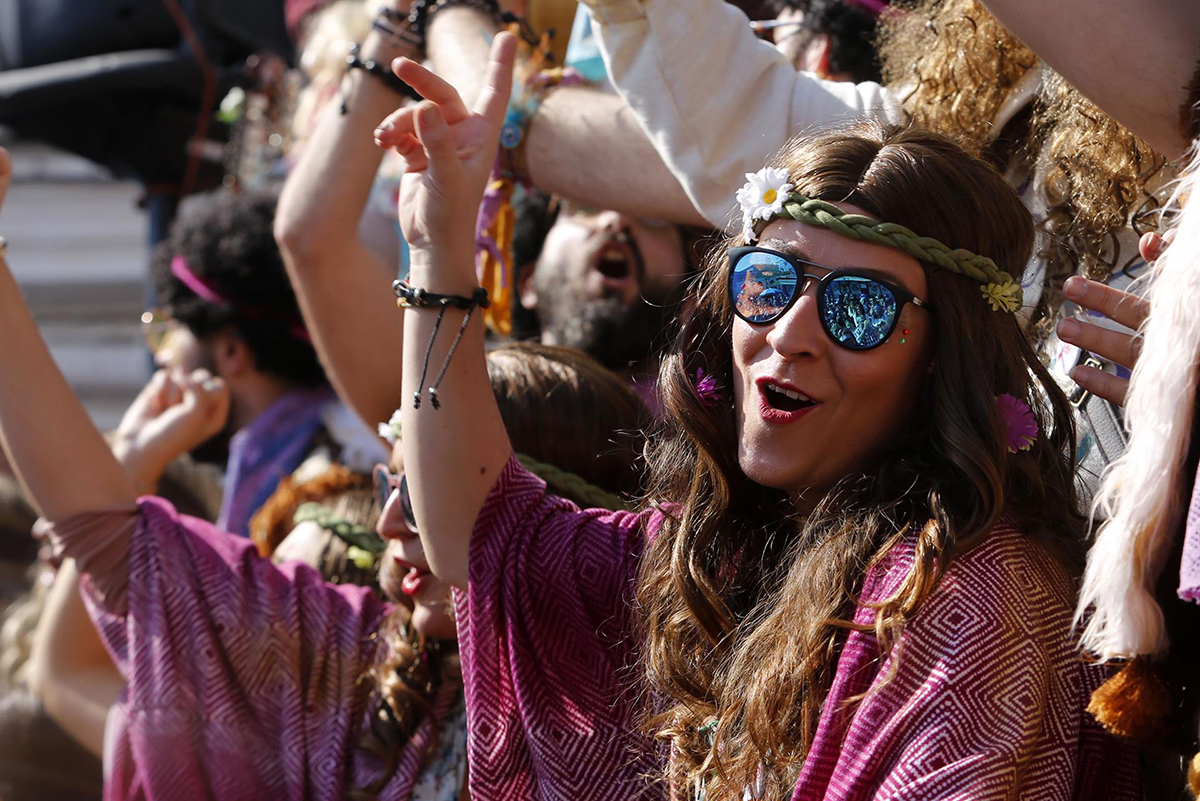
{"x": 244, "y": 680}
{"x": 988, "y": 701}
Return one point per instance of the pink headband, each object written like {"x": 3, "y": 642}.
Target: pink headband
{"x": 206, "y": 292}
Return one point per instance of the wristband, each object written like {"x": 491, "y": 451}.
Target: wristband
{"x": 381, "y": 72}
{"x": 397, "y": 36}
{"x": 410, "y": 297}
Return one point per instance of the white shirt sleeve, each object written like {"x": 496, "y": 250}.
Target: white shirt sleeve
{"x": 716, "y": 101}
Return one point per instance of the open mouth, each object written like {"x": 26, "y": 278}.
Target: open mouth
{"x": 785, "y": 400}
{"x": 615, "y": 261}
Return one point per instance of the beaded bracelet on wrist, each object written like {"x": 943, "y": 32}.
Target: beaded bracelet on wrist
{"x": 379, "y": 72}
{"x": 489, "y": 8}
{"x": 397, "y": 36}
{"x": 410, "y": 297}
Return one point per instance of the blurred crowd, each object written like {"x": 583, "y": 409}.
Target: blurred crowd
{"x": 839, "y": 444}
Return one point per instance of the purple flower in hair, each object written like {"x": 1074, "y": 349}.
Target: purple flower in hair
{"x": 1020, "y": 426}
{"x": 706, "y": 388}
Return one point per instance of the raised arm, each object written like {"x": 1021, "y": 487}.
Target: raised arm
{"x": 1140, "y": 62}
{"x": 716, "y": 101}
{"x": 58, "y": 455}
{"x": 342, "y": 285}
{"x": 452, "y": 454}
{"x": 71, "y": 673}
{"x": 583, "y": 144}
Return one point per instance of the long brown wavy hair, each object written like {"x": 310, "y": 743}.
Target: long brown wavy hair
{"x": 559, "y": 406}
{"x": 742, "y": 602}
{"x": 954, "y": 65}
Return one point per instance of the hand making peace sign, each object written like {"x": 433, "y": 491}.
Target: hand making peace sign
{"x": 448, "y": 150}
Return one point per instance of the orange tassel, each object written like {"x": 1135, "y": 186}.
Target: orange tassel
{"x": 1133, "y": 703}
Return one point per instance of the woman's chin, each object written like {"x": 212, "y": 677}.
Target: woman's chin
{"x": 434, "y": 623}
{"x": 770, "y": 472}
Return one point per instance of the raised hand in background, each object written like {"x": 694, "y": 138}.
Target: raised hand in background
{"x": 1121, "y": 347}
{"x": 173, "y": 414}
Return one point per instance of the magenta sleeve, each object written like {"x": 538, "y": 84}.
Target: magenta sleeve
{"x": 549, "y": 656}
{"x": 99, "y": 543}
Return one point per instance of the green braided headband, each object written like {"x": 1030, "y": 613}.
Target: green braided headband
{"x": 767, "y": 196}
{"x": 365, "y": 545}
{"x": 572, "y": 486}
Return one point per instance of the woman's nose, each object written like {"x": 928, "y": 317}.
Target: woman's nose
{"x": 391, "y": 525}
{"x": 798, "y": 332}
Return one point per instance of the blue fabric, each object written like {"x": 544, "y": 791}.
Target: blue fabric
{"x": 583, "y": 49}
{"x": 269, "y": 448}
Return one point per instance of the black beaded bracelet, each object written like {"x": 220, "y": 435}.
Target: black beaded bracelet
{"x": 393, "y": 15}
{"x": 489, "y": 7}
{"x": 410, "y": 297}
{"x": 381, "y": 72}
{"x": 417, "y": 21}
{"x": 422, "y": 13}
{"x": 401, "y": 36}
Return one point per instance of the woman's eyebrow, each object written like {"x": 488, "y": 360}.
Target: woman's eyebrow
{"x": 790, "y": 248}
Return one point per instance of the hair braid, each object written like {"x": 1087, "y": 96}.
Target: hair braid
{"x": 572, "y": 486}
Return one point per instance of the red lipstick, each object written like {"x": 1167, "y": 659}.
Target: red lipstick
{"x": 413, "y": 581}
{"x": 780, "y": 403}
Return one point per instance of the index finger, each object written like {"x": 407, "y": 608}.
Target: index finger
{"x": 431, "y": 86}
{"x": 492, "y": 103}
{"x": 1121, "y": 307}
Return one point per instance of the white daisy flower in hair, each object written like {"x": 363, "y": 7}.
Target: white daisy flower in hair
{"x": 762, "y": 197}
{"x": 390, "y": 431}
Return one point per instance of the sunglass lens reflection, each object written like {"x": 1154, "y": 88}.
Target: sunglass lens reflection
{"x": 763, "y": 285}
{"x": 857, "y": 312}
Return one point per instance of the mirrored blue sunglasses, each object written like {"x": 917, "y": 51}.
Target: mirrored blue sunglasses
{"x": 857, "y": 311}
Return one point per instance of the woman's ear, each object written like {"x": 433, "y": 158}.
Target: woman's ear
{"x": 231, "y": 355}
{"x": 929, "y": 367}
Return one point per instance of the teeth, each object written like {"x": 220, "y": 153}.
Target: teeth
{"x": 788, "y": 393}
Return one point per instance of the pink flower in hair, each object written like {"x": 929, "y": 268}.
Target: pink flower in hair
{"x": 1020, "y": 426}
{"x": 706, "y": 388}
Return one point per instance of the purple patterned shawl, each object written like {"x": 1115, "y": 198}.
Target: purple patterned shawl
{"x": 269, "y": 448}
{"x": 243, "y": 677}
{"x": 988, "y": 700}
{"x": 1189, "y": 565}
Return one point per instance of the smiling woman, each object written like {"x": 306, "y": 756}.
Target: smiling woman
{"x": 852, "y": 579}
{"x": 861, "y": 483}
